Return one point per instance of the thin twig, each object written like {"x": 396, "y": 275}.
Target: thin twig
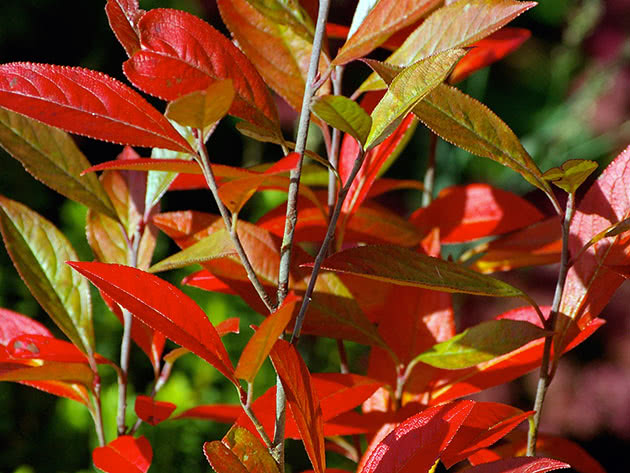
{"x": 248, "y": 410}
{"x": 300, "y": 147}
{"x": 96, "y": 411}
{"x": 429, "y": 176}
{"x": 204, "y": 162}
{"x": 324, "y": 248}
{"x": 125, "y": 345}
{"x": 544, "y": 379}
{"x": 344, "y": 366}
{"x": 277, "y": 448}
{"x": 333, "y": 156}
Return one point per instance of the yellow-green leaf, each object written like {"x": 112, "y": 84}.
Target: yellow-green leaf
{"x": 480, "y": 343}
{"x": 39, "y": 252}
{"x": 408, "y": 88}
{"x": 469, "y": 124}
{"x": 344, "y": 114}
{"x": 216, "y": 245}
{"x": 288, "y": 13}
{"x": 571, "y": 175}
{"x": 52, "y": 157}
{"x": 397, "y": 265}
{"x": 456, "y": 25}
{"x": 250, "y": 451}
{"x": 203, "y": 108}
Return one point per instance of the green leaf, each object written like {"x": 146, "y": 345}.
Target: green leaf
{"x": 456, "y": 25}
{"x": 39, "y": 252}
{"x": 401, "y": 266}
{"x": 288, "y": 13}
{"x": 344, "y": 114}
{"x": 203, "y": 108}
{"x": 215, "y": 245}
{"x": 481, "y": 343}
{"x": 408, "y": 88}
{"x": 51, "y": 156}
{"x": 571, "y": 175}
{"x": 469, "y": 124}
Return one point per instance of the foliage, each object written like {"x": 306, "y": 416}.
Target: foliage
{"x": 333, "y": 265}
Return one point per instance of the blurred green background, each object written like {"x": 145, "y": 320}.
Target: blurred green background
{"x": 566, "y": 93}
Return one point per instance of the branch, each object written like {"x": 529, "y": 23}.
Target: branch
{"x": 544, "y": 379}
{"x": 300, "y": 147}
{"x": 204, "y": 162}
{"x": 324, "y": 248}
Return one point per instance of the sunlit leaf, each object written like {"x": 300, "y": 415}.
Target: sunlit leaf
{"x": 470, "y": 125}
{"x": 216, "y": 245}
{"x": 38, "y": 250}
{"x": 343, "y": 114}
{"x": 252, "y": 454}
{"x": 52, "y": 157}
{"x": 168, "y": 67}
{"x": 124, "y": 454}
{"x": 283, "y": 61}
{"x": 590, "y": 284}
{"x": 383, "y": 20}
{"x": 515, "y": 444}
{"x": 538, "y": 244}
{"x": 286, "y": 12}
{"x": 416, "y": 444}
{"x": 481, "y": 343}
{"x": 302, "y": 399}
{"x": 406, "y": 90}
{"x": 571, "y": 174}
{"x": 202, "y": 108}
{"x": 457, "y": 25}
{"x": 520, "y": 465}
{"x": 123, "y": 15}
{"x": 261, "y": 343}
{"x": 221, "y": 458}
{"x": 87, "y": 103}
{"x": 173, "y": 313}
{"x": 408, "y": 268}
{"x": 151, "y": 411}
{"x": 465, "y": 213}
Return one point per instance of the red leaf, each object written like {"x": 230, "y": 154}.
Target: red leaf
{"x": 374, "y": 161}
{"x": 230, "y": 325}
{"x": 520, "y": 465}
{"x": 416, "y": 444}
{"x": 302, "y": 399}
{"x": 487, "y": 423}
{"x": 75, "y": 392}
{"x": 549, "y": 445}
{"x": 151, "y": 411}
{"x": 590, "y": 284}
{"x": 225, "y": 413}
{"x": 43, "y": 347}
{"x": 207, "y": 281}
{"x": 87, "y": 103}
{"x": 465, "y": 213}
{"x": 123, "y": 15}
{"x": 174, "y": 314}
{"x": 488, "y": 50}
{"x": 182, "y": 53}
{"x": 13, "y": 325}
{"x": 150, "y": 341}
{"x": 540, "y": 243}
{"x": 125, "y": 454}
